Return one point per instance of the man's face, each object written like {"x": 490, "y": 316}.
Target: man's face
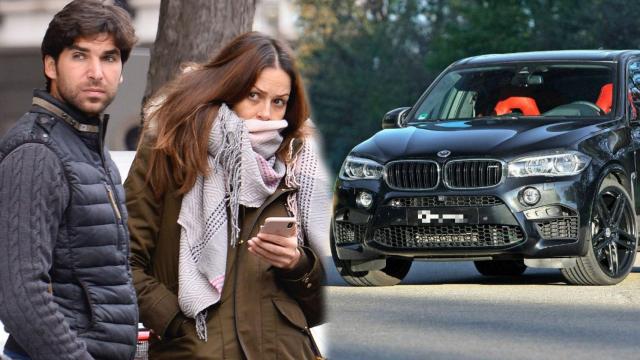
{"x": 87, "y": 73}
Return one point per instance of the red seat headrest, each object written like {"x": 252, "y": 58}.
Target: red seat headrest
{"x": 605, "y": 99}
{"x": 526, "y": 105}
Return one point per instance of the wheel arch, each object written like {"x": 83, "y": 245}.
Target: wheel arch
{"x": 616, "y": 172}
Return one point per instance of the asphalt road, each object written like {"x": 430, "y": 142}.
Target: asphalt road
{"x": 449, "y": 311}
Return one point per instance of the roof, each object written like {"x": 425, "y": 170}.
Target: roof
{"x": 567, "y": 55}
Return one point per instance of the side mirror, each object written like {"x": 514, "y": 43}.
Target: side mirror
{"x": 395, "y": 118}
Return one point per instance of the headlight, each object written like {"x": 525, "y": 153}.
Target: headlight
{"x": 355, "y": 168}
{"x": 564, "y": 163}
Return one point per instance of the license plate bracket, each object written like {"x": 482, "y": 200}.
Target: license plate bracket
{"x": 445, "y": 216}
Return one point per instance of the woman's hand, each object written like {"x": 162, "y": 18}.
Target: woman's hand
{"x": 279, "y": 251}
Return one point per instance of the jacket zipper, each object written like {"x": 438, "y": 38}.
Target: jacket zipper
{"x": 116, "y": 210}
{"x": 235, "y": 316}
{"x": 114, "y": 205}
{"x": 113, "y": 197}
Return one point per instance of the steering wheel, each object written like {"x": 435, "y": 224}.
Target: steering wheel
{"x": 590, "y": 105}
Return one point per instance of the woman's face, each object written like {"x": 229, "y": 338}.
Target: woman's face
{"x": 267, "y": 99}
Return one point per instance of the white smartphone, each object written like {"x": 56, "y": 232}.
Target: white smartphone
{"x": 283, "y": 226}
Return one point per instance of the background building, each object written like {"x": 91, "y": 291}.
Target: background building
{"x": 22, "y": 27}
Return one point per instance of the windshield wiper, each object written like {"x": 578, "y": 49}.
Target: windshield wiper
{"x": 498, "y": 117}
{"x": 489, "y": 117}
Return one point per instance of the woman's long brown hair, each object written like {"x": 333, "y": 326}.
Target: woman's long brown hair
{"x": 178, "y": 129}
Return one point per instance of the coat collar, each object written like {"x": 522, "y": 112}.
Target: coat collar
{"x": 255, "y": 215}
{"x": 70, "y": 115}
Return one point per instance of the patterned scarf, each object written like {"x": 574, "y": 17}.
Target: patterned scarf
{"x": 236, "y": 179}
{"x": 265, "y": 140}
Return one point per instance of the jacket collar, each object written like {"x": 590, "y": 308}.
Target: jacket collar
{"x": 252, "y": 219}
{"x": 70, "y": 115}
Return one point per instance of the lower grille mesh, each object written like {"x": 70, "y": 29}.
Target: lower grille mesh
{"x": 564, "y": 228}
{"x": 348, "y": 233}
{"x": 453, "y": 236}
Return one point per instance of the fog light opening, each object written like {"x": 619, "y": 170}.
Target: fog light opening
{"x": 530, "y": 196}
{"x": 364, "y": 199}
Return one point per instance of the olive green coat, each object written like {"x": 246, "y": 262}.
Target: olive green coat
{"x": 259, "y": 315}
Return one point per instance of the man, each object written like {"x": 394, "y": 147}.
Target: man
{"x": 65, "y": 283}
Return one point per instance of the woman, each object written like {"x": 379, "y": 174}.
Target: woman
{"x": 227, "y": 147}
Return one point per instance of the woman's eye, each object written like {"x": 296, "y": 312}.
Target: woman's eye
{"x": 280, "y": 102}
{"x": 253, "y": 95}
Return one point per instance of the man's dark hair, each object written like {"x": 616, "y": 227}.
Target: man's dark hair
{"x": 87, "y": 18}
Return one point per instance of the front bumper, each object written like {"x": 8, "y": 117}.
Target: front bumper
{"x": 445, "y": 223}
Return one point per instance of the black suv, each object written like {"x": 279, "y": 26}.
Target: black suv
{"x": 514, "y": 160}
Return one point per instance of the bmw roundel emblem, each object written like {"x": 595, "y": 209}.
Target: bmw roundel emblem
{"x": 444, "y": 153}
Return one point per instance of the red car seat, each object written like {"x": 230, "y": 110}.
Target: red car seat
{"x": 605, "y": 99}
{"x": 526, "y": 105}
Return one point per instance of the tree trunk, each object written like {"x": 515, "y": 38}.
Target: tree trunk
{"x": 194, "y": 30}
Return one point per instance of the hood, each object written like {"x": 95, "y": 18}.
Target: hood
{"x": 503, "y": 138}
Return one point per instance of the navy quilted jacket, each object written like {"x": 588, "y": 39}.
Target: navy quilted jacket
{"x": 65, "y": 282}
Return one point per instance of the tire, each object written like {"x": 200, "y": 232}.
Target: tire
{"x": 390, "y": 275}
{"x": 612, "y": 244}
{"x": 501, "y": 267}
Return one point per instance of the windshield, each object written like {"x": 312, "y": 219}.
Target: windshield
{"x": 521, "y": 90}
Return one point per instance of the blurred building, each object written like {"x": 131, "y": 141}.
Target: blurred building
{"x": 24, "y": 22}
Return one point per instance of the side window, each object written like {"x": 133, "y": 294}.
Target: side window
{"x": 633, "y": 85}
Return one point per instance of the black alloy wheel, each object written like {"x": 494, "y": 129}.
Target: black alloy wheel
{"x": 613, "y": 243}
